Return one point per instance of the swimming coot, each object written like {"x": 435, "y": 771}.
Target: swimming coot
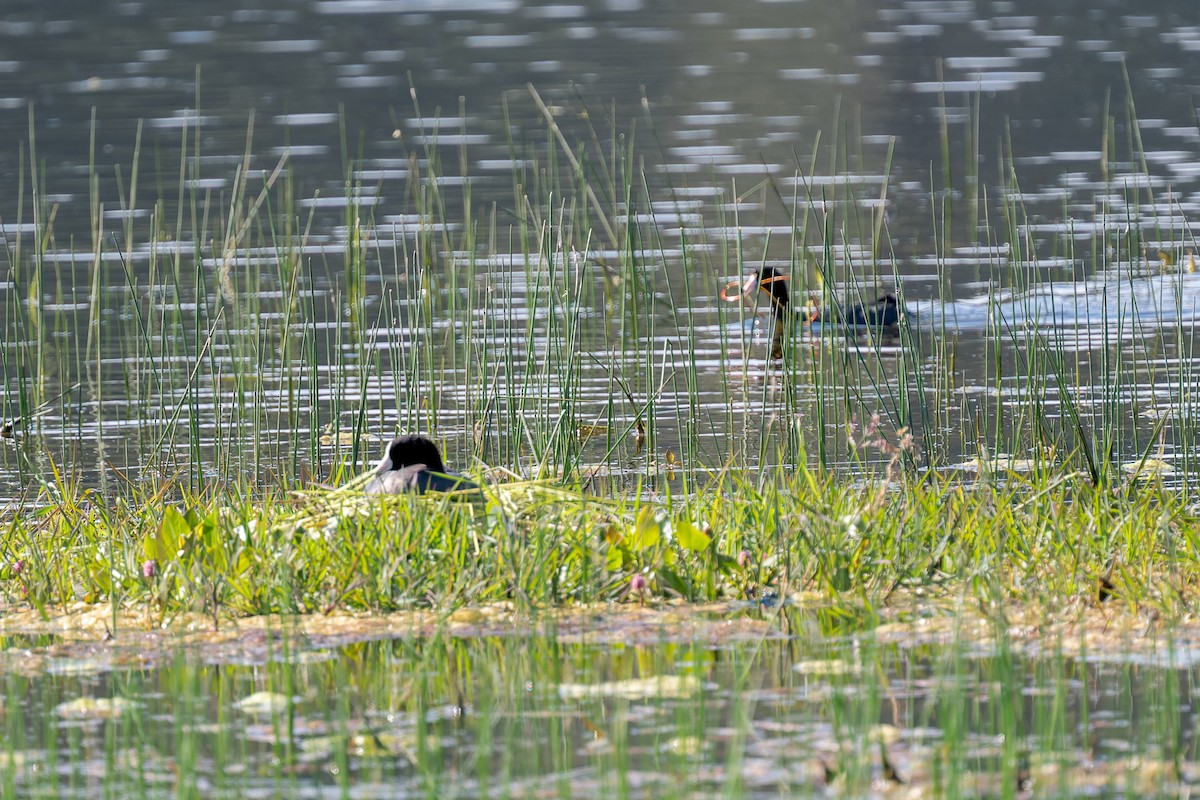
{"x": 413, "y": 464}
{"x": 774, "y": 284}
{"x": 882, "y": 314}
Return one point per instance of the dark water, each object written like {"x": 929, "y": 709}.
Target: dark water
{"x": 261, "y": 712}
{"x": 955, "y": 146}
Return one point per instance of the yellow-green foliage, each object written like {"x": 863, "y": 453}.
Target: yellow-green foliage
{"x": 1050, "y": 536}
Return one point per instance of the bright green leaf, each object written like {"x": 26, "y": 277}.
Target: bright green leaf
{"x": 101, "y": 578}
{"x": 690, "y": 537}
{"x": 673, "y": 581}
{"x": 192, "y": 518}
{"x": 164, "y": 547}
{"x": 648, "y": 530}
{"x": 727, "y": 565}
{"x": 614, "y": 560}
{"x": 210, "y": 528}
{"x": 209, "y": 532}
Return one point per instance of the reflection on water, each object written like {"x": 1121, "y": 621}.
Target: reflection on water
{"x": 351, "y": 212}
{"x": 921, "y": 707}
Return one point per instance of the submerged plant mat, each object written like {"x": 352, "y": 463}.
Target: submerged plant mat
{"x": 893, "y": 762}
{"x": 95, "y": 638}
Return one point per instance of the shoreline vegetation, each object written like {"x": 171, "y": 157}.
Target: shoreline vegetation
{"x": 767, "y": 488}
{"x": 1047, "y": 538}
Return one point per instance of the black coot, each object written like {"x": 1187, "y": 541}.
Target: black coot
{"x": 884, "y": 313}
{"x": 413, "y": 464}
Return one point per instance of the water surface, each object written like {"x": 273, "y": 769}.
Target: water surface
{"x": 429, "y": 238}
{"x": 678, "y": 704}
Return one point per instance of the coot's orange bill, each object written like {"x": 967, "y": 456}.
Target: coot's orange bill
{"x": 745, "y": 287}
{"x": 732, "y": 298}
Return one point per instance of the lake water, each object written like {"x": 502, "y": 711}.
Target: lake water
{"x": 686, "y": 703}
{"x": 245, "y": 243}
{"x": 953, "y": 147}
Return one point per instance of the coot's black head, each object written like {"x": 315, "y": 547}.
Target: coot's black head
{"x": 887, "y": 310}
{"x": 774, "y": 283}
{"x": 412, "y": 450}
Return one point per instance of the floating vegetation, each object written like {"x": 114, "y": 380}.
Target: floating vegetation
{"x": 951, "y": 703}
{"x": 94, "y": 708}
{"x": 832, "y": 667}
{"x": 263, "y": 703}
{"x": 659, "y": 686}
{"x": 1149, "y": 468}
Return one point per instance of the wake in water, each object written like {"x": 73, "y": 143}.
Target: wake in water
{"x": 1115, "y": 304}
{"x": 1118, "y": 303}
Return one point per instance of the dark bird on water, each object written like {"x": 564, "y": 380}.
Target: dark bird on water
{"x": 883, "y": 314}
{"x": 413, "y": 464}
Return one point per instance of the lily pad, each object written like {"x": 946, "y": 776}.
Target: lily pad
{"x": 1148, "y": 467}
{"x": 468, "y": 616}
{"x": 832, "y": 666}
{"x": 76, "y": 666}
{"x": 263, "y": 703}
{"x": 688, "y": 746}
{"x": 93, "y": 708}
{"x": 658, "y": 686}
{"x": 1002, "y": 462}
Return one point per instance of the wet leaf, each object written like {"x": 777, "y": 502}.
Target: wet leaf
{"x": 1002, "y": 462}
{"x": 468, "y": 616}
{"x": 588, "y": 431}
{"x": 660, "y": 686}
{"x": 346, "y": 439}
{"x": 834, "y": 666}
{"x": 263, "y": 703}
{"x": 1148, "y": 467}
{"x": 76, "y": 666}
{"x": 614, "y": 559}
{"x": 676, "y": 584}
{"x": 648, "y": 530}
{"x": 164, "y": 545}
{"x": 691, "y": 537}
{"x": 315, "y": 747}
{"x": 360, "y": 745}
{"x": 381, "y": 745}
{"x": 687, "y": 746}
{"x": 93, "y": 708}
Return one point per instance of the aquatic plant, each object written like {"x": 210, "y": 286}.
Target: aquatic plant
{"x": 1050, "y": 535}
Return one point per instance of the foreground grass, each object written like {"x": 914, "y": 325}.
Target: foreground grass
{"x": 1047, "y": 537}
